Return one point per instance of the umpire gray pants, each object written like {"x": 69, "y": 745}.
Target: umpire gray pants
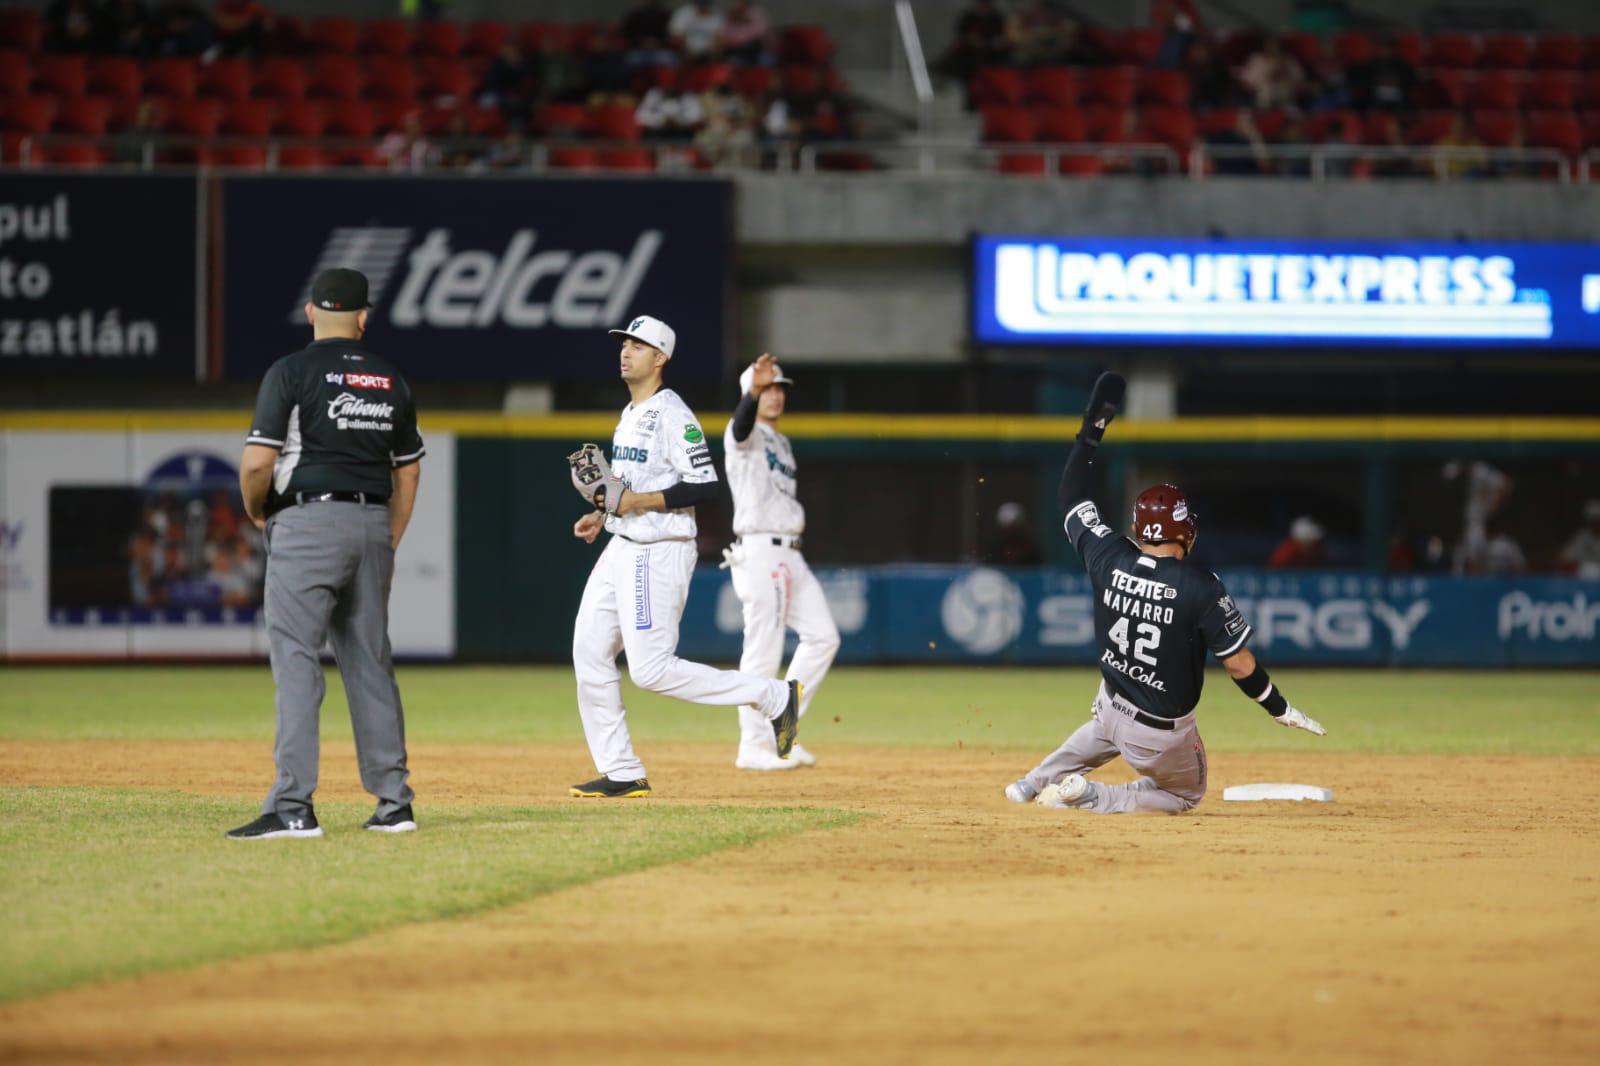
{"x": 329, "y": 567}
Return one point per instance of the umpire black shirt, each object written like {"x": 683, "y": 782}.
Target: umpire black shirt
{"x": 341, "y": 418}
{"x": 1154, "y": 617}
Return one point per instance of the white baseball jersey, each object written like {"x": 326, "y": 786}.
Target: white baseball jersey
{"x": 656, "y": 445}
{"x": 761, "y": 474}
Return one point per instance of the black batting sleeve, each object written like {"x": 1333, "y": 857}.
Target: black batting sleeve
{"x": 1075, "y": 479}
{"x": 744, "y": 418}
{"x": 1261, "y": 689}
{"x": 689, "y": 494}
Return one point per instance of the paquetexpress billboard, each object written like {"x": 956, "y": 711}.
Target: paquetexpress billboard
{"x": 481, "y": 279}
{"x": 1285, "y": 293}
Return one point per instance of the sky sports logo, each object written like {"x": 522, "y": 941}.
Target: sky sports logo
{"x": 1174, "y": 291}
{"x": 522, "y": 285}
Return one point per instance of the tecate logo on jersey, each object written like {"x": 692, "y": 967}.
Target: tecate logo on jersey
{"x": 521, "y": 287}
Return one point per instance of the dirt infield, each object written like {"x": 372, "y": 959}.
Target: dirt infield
{"x": 1441, "y": 910}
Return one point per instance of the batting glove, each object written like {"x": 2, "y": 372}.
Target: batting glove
{"x": 1295, "y": 718}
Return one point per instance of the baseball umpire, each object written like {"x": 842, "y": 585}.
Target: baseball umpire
{"x": 330, "y": 472}
{"x": 1155, "y": 616}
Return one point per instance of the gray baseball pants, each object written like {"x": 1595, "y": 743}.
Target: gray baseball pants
{"x": 329, "y": 567}
{"x": 1171, "y": 764}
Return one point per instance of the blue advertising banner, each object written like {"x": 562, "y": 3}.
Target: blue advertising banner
{"x": 99, "y": 275}
{"x": 1285, "y": 293}
{"x": 482, "y": 278}
{"x": 979, "y": 614}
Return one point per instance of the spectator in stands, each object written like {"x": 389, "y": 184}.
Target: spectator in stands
{"x": 727, "y": 127}
{"x": 1074, "y": 48}
{"x": 1294, "y": 134}
{"x": 129, "y": 144}
{"x": 1037, "y": 31}
{"x": 558, "y": 74}
{"x": 1013, "y": 542}
{"x": 508, "y": 153}
{"x": 982, "y": 39}
{"x": 1467, "y": 158}
{"x": 508, "y": 83}
{"x": 1515, "y": 163}
{"x": 669, "y": 115}
{"x": 605, "y": 68}
{"x": 1384, "y": 82}
{"x": 1302, "y": 549}
{"x": 74, "y": 26}
{"x": 1487, "y": 490}
{"x": 129, "y": 29}
{"x": 1180, "y": 26}
{"x": 1273, "y": 76}
{"x": 457, "y": 146}
{"x": 696, "y": 29}
{"x": 1581, "y": 553}
{"x": 240, "y": 27}
{"x": 645, "y": 37}
{"x": 406, "y": 148}
{"x": 1210, "y": 84}
{"x": 182, "y": 28}
{"x": 1500, "y": 555}
{"x": 747, "y": 33}
{"x": 1243, "y": 151}
{"x": 1398, "y": 163}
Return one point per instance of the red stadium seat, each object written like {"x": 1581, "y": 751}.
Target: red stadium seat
{"x": 1429, "y": 126}
{"x": 281, "y": 78}
{"x": 442, "y": 40}
{"x": 447, "y": 78}
{"x": 249, "y": 118}
{"x": 1137, "y": 48}
{"x": 629, "y": 159}
{"x": 1171, "y": 126}
{"x": 1352, "y": 47}
{"x": 61, "y": 75}
{"x": 804, "y": 44}
{"x": 704, "y": 76}
{"x": 385, "y": 37}
{"x": 336, "y": 78}
{"x": 1059, "y": 125}
{"x": 996, "y": 85}
{"x": 655, "y": 78}
{"x": 31, "y": 114}
{"x": 335, "y": 36}
{"x": 193, "y": 118}
{"x": 1030, "y": 163}
{"x": 1591, "y": 129}
{"x": 21, "y": 29}
{"x": 532, "y": 35}
{"x": 561, "y": 120}
{"x": 1451, "y": 50}
{"x": 802, "y": 81}
{"x": 172, "y": 77}
{"x": 1112, "y": 86}
{"x": 572, "y": 158}
{"x": 1551, "y": 90}
{"x": 1408, "y": 46}
{"x": 1164, "y": 88}
{"x": 390, "y": 79}
{"x": 613, "y": 124}
{"x": 89, "y": 115}
{"x": 16, "y": 73}
{"x": 391, "y": 114}
{"x": 227, "y": 79}
{"x": 1080, "y": 166}
{"x": 116, "y": 76}
{"x": 1500, "y": 89}
{"x": 352, "y": 119}
{"x": 1052, "y": 86}
{"x": 301, "y": 157}
{"x": 73, "y": 155}
{"x": 1307, "y": 48}
{"x": 485, "y": 121}
{"x": 1008, "y": 125}
{"x": 485, "y": 39}
{"x": 1444, "y": 88}
{"x": 1271, "y": 122}
{"x": 1497, "y": 129}
{"x": 1112, "y": 125}
{"x": 239, "y": 155}
{"x": 752, "y": 81}
{"x": 1508, "y": 51}
{"x": 1218, "y": 120}
{"x": 1558, "y": 51}
{"x": 1556, "y": 129}
{"x": 1589, "y": 91}
{"x": 300, "y": 118}
{"x": 1334, "y": 126}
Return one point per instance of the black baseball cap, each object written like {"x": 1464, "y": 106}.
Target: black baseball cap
{"x": 340, "y": 290}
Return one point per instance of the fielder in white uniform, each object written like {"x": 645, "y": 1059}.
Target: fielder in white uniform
{"x": 770, "y": 575}
{"x": 660, "y": 468}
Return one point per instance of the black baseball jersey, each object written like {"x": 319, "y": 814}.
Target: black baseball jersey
{"x": 340, "y": 417}
{"x": 1154, "y": 616}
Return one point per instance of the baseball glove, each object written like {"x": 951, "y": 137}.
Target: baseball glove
{"x": 592, "y": 477}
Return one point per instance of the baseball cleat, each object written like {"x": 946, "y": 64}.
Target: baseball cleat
{"x": 1074, "y": 790}
{"x": 605, "y": 788}
{"x": 279, "y": 827}
{"x": 786, "y": 726}
{"x": 400, "y": 821}
{"x": 1020, "y": 791}
{"x": 765, "y": 760}
{"x": 801, "y": 756}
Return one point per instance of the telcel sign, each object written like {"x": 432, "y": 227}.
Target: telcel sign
{"x": 1034, "y": 290}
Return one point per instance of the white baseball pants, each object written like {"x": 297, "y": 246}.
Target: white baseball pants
{"x": 779, "y": 592}
{"x": 633, "y": 602}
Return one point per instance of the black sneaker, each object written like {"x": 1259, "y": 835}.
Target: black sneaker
{"x": 400, "y": 821}
{"x": 605, "y": 788}
{"x": 786, "y": 726}
{"x": 274, "y": 826}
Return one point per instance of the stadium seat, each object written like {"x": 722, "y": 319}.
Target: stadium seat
{"x": 1352, "y": 47}
{"x": 1591, "y": 129}
{"x": 388, "y": 78}
{"x": 227, "y": 79}
{"x": 88, "y": 115}
{"x": 1112, "y": 86}
{"x": 1051, "y": 86}
{"x": 1031, "y": 163}
{"x": 1171, "y": 126}
{"x": 299, "y": 118}
{"x": 281, "y": 78}
{"x": 446, "y": 77}
{"x": 21, "y": 29}
{"x": 485, "y": 121}
{"x": 704, "y": 76}
{"x": 1164, "y": 88}
{"x": 804, "y": 44}
{"x": 1429, "y": 126}
{"x": 1137, "y": 47}
{"x": 239, "y": 155}
{"x": 249, "y": 118}
{"x": 1507, "y": 51}
{"x": 1409, "y": 47}
{"x": 72, "y": 155}
{"x": 629, "y": 159}
{"x": 1560, "y": 130}
{"x": 1111, "y": 125}
{"x": 1008, "y": 125}
{"x": 1497, "y": 129}
{"x": 116, "y": 76}
{"x": 1334, "y": 126}
{"x": 561, "y": 120}
{"x": 1558, "y": 51}
{"x": 1217, "y": 120}
{"x": 385, "y": 37}
{"x": 61, "y": 75}
{"x": 1080, "y": 166}
{"x": 193, "y": 118}
{"x": 1551, "y": 90}
{"x": 752, "y": 81}
{"x": 301, "y": 157}
{"x": 1271, "y": 122}
{"x": 350, "y": 119}
{"x": 804, "y": 81}
{"x": 16, "y": 73}
{"x": 390, "y": 115}
{"x": 658, "y": 78}
{"x": 1307, "y": 48}
{"x": 31, "y": 114}
{"x": 996, "y": 85}
{"x": 335, "y": 36}
{"x": 1443, "y": 88}
{"x": 336, "y": 78}
{"x": 572, "y": 158}
{"x": 613, "y": 123}
{"x": 442, "y": 40}
{"x": 1451, "y": 50}
{"x": 173, "y": 77}
{"x": 1496, "y": 89}
{"x": 532, "y": 35}
{"x": 485, "y": 39}
{"x": 1059, "y": 125}
{"x": 1589, "y": 90}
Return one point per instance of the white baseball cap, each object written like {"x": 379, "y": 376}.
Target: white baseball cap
{"x": 651, "y": 331}
{"x": 749, "y": 375}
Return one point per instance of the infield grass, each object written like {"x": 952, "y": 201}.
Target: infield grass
{"x": 1422, "y": 712}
